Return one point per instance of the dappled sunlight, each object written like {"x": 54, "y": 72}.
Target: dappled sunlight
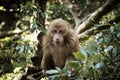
{"x": 23, "y": 24}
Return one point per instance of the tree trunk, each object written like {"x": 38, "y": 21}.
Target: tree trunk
{"x": 97, "y": 15}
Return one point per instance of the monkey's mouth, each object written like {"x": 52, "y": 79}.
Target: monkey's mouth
{"x": 58, "y": 42}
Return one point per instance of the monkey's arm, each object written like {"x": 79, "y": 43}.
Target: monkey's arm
{"x": 47, "y": 62}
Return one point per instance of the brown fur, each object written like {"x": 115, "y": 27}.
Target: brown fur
{"x": 56, "y": 55}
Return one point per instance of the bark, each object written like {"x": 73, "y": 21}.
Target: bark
{"x": 98, "y": 28}
{"x": 97, "y": 15}
{"x": 73, "y": 13}
{"x": 9, "y": 34}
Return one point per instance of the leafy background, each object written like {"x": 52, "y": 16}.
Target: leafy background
{"x": 98, "y": 58}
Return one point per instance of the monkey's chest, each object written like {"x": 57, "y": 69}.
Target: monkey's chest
{"x": 60, "y": 56}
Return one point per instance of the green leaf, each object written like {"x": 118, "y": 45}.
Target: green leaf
{"x": 79, "y": 56}
{"x": 83, "y": 51}
{"x": 114, "y": 51}
{"x": 52, "y": 71}
{"x": 100, "y": 40}
{"x": 74, "y": 64}
{"x": 111, "y": 28}
{"x": 95, "y": 58}
{"x": 118, "y": 35}
{"x": 57, "y": 68}
{"x": 107, "y": 39}
{"x": 54, "y": 77}
{"x": 108, "y": 48}
{"x": 64, "y": 70}
{"x": 99, "y": 65}
{"x": 22, "y": 49}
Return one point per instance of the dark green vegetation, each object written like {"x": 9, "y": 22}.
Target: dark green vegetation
{"x": 97, "y": 23}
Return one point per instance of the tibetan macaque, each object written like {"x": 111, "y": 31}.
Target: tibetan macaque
{"x": 59, "y": 44}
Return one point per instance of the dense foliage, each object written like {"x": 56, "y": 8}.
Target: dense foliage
{"x": 98, "y": 58}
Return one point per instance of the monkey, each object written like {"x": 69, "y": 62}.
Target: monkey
{"x": 59, "y": 44}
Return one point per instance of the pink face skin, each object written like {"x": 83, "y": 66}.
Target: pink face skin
{"x": 58, "y": 34}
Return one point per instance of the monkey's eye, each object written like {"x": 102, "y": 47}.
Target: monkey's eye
{"x": 54, "y": 31}
{"x": 61, "y": 31}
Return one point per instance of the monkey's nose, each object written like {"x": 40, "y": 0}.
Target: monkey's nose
{"x": 57, "y": 39}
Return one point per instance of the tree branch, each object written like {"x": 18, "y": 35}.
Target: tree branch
{"x": 10, "y": 33}
{"x": 73, "y": 12}
{"x": 98, "y": 28}
{"x": 97, "y": 15}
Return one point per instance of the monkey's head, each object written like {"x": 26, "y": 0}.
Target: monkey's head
{"x": 58, "y": 29}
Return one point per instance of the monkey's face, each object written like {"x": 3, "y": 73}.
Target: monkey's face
{"x": 58, "y": 29}
{"x": 58, "y": 33}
